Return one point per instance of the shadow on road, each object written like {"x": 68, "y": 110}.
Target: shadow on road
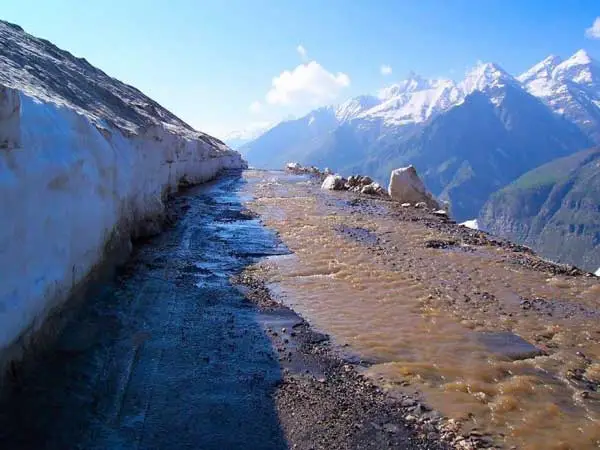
{"x": 168, "y": 355}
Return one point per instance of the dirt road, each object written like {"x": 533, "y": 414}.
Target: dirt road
{"x": 171, "y": 355}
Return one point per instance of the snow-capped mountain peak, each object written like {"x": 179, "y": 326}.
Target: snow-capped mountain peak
{"x": 355, "y": 106}
{"x": 235, "y": 139}
{"x": 539, "y": 79}
{"x": 542, "y": 70}
{"x": 571, "y": 88}
{"x": 250, "y": 132}
{"x": 486, "y": 76}
{"x": 412, "y": 83}
{"x": 579, "y": 68}
{"x": 414, "y": 100}
{"x": 580, "y": 57}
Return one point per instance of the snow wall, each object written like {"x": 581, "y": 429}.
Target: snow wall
{"x": 69, "y": 191}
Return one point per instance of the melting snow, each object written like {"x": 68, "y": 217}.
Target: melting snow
{"x": 473, "y": 224}
{"x": 87, "y": 162}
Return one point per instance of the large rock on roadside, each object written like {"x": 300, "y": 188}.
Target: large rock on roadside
{"x": 333, "y": 183}
{"x": 406, "y": 186}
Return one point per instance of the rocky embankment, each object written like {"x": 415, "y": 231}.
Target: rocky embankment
{"x": 86, "y": 163}
{"x": 405, "y": 185}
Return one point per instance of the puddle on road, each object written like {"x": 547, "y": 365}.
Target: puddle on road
{"x": 446, "y": 323}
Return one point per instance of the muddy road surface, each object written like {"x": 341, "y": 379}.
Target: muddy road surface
{"x": 171, "y": 354}
{"x": 495, "y": 338}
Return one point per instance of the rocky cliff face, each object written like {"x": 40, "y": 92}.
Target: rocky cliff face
{"x": 553, "y": 209}
{"x": 86, "y": 163}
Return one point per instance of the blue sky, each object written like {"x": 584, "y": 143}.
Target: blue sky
{"x": 221, "y": 64}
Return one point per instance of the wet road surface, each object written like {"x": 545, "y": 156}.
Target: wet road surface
{"x": 168, "y": 356}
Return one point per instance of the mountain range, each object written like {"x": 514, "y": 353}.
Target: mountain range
{"x": 468, "y": 139}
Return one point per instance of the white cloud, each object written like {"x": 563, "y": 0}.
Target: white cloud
{"x": 301, "y": 51}
{"x": 255, "y": 107}
{"x": 593, "y": 32}
{"x": 385, "y": 70}
{"x": 308, "y": 84}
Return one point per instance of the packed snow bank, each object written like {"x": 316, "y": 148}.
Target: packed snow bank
{"x": 71, "y": 185}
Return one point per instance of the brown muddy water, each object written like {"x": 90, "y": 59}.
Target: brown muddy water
{"x": 481, "y": 334}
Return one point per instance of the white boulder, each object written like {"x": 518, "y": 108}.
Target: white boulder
{"x": 333, "y": 183}
{"x": 406, "y": 186}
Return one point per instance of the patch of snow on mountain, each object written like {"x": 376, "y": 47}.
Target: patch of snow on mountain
{"x": 580, "y": 69}
{"x": 488, "y": 78}
{"x": 236, "y": 139}
{"x": 543, "y": 69}
{"x": 414, "y": 101}
{"x": 413, "y": 83}
{"x": 572, "y": 89}
{"x": 473, "y": 224}
{"x": 355, "y": 106}
{"x": 539, "y": 79}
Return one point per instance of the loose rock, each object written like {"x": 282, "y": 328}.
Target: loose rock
{"x": 333, "y": 183}
{"x": 406, "y": 186}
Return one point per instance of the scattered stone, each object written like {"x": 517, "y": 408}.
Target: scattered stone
{"x": 372, "y": 189}
{"x": 440, "y": 243}
{"x": 507, "y": 344}
{"x": 294, "y": 167}
{"x": 391, "y": 428}
{"x": 407, "y": 403}
{"x": 353, "y": 181}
